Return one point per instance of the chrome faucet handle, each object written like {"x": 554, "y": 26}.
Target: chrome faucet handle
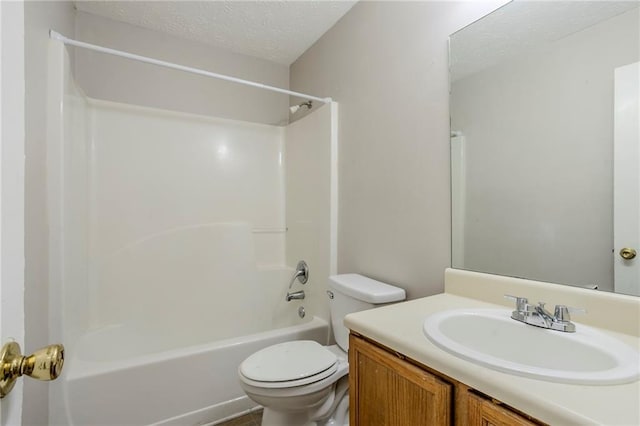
{"x": 522, "y": 303}
{"x": 301, "y": 273}
{"x": 562, "y": 312}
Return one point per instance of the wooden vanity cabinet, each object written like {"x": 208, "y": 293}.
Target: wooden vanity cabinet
{"x": 482, "y": 411}
{"x": 387, "y": 389}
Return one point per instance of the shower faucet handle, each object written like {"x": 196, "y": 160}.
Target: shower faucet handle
{"x": 301, "y": 274}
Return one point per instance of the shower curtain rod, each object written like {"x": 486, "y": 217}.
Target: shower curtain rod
{"x": 57, "y": 36}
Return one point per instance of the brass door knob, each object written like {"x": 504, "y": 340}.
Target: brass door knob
{"x": 43, "y": 364}
{"x": 627, "y": 253}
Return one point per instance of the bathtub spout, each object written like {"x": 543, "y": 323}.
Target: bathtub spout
{"x": 296, "y": 295}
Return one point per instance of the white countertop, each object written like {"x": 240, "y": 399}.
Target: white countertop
{"x": 399, "y": 327}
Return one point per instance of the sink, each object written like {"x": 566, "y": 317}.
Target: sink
{"x": 489, "y": 337}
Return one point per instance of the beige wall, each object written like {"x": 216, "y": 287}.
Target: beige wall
{"x": 122, "y": 80}
{"x": 386, "y": 65}
{"x": 39, "y": 18}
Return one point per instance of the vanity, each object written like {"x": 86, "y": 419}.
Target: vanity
{"x": 389, "y": 388}
{"x": 399, "y": 376}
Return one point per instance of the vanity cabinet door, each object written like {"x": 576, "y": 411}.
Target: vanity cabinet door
{"x": 484, "y": 412}
{"x": 388, "y": 391}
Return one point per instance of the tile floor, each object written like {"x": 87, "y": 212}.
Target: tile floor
{"x": 251, "y": 419}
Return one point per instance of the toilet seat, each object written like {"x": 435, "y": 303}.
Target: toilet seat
{"x": 289, "y": 364}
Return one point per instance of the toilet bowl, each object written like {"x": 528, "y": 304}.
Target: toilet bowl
{"x": 303, "y": 390}
{"x": 302, "y": 383}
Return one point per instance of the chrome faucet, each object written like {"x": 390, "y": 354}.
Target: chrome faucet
{"x": 301, "y": 274}
{"x": 537, "y": 315}
{"x": 296, "y": 295}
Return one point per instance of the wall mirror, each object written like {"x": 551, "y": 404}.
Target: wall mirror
{"x": 544, "y": 143}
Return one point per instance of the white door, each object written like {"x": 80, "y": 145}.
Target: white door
{"x": 626, "y": 178}
{"x": 12, "y": 191}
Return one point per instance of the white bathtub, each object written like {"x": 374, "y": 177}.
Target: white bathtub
{"x": 194, "y": 385}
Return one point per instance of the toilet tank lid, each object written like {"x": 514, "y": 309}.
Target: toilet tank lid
{"x": 366, "y": 289}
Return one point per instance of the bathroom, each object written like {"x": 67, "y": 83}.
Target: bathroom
{"x": 384, "y": 63}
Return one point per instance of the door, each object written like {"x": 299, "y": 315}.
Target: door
{"x": 626, "y": 180}
{"x": 12, "y": 191}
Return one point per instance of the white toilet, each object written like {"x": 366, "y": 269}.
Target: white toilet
{"x": 302, "y": 382}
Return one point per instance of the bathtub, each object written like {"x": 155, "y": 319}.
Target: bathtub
{"x": 193, "y": 385}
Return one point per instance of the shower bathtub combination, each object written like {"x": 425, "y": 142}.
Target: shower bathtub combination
{"x": 172, "y": 240}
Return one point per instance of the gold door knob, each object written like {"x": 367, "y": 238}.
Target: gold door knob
{"x": 43, "y": 364}
{"x": 627, "y": 253}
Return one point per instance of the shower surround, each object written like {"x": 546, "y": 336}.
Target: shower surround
{"x": 169, "y": 251}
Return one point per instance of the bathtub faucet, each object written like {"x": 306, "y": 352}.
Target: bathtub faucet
{"x": 301, "y": 274}
{"x": 296, "y": 295}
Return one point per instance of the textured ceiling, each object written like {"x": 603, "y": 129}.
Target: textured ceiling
{"x": 279, "y": 31}
{"x": 520, "y": 26}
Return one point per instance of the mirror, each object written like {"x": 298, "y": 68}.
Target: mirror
{"x": 542, "y": 120}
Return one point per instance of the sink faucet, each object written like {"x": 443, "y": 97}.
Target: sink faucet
{"x": 545, "y": 315}
{"x": 537, "y": 315}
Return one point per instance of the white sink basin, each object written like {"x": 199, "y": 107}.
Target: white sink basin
{"x": 490, "y": 337}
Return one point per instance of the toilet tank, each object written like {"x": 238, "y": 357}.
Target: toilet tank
{"x": 353, "y": 293}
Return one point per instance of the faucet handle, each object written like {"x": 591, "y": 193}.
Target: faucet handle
{"x": 522, "y": 303}
{"x": 562, "y": 312}
{"x": 301, "y": 274}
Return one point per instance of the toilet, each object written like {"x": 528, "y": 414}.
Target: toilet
{"x": 302, "y": 383}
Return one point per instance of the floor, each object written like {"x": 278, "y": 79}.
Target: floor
{"x": 251, "y": 419}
